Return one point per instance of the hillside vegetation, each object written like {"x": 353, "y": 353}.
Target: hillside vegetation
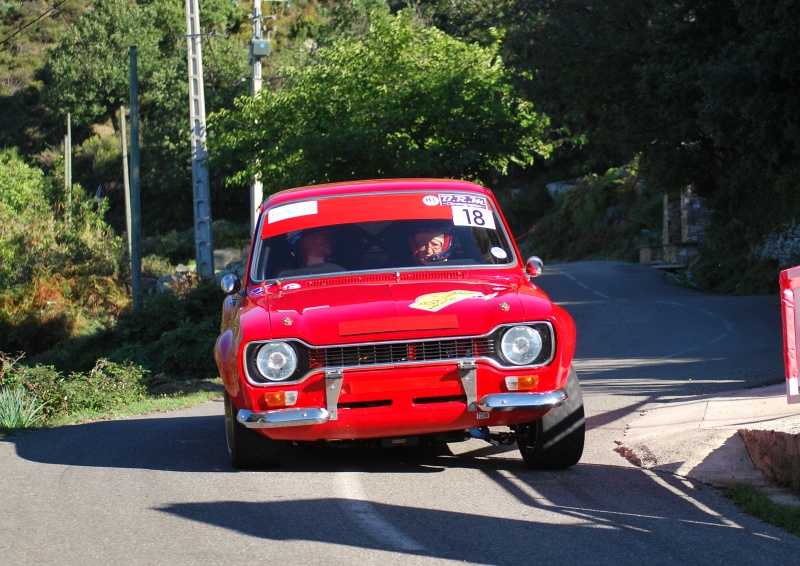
{"x": 626, "y": 101}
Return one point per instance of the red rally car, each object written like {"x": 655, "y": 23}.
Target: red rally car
{"x": 394, "y": 312}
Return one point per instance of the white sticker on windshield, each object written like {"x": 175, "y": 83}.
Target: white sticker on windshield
{"x": 499, "y": 253}
{"x": 293, "y": 210}
{"x": 469, "y": 210}
{"x": 473, "y": 217}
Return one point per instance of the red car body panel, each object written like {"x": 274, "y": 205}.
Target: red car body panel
{"x": 386, "y": 306}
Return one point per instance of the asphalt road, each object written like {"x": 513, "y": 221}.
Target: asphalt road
{"x": 158, "y": 489}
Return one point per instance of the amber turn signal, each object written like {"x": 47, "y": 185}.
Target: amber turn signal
{"x": 522, "y": 383}
{"x": 277, "y": 399}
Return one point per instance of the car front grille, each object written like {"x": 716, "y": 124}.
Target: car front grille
{"x": 402, "y": 352}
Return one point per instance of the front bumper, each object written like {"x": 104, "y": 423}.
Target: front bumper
{"x": 496, "y": 402}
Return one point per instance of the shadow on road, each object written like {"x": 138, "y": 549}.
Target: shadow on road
{"x": 532, "y": 517}
{"x": 564, "y": 508}
{"x": 197, "y": 444}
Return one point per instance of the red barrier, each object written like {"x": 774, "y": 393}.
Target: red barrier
{"x": 790, "y": 292}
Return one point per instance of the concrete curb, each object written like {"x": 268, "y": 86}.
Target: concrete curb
{"x": 701, "y": 438}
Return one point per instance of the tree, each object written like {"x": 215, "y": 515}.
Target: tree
{"x": 88, "y": 76}
{"x": 403, "y": 100}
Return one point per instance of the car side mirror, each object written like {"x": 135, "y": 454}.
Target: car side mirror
{"x": 534, "y": 266}
{"x": 230, "y": 284}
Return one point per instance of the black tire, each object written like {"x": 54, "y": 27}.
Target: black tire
{"x": 248, "y": 449}
{"x": 556, "y": 440}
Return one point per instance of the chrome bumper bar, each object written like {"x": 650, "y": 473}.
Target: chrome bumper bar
{"x": 522, "y": 401}
{"x": 283, "y": 417}
{"x": 317, "y": 415}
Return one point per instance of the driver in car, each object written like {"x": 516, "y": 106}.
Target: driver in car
{"x": 431, "y": 245}
{"x": 315, "y": 248}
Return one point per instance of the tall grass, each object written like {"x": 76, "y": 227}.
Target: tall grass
{"x": 18, "y": 409}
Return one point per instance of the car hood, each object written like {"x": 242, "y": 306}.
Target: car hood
{"x": 365, "y": 312}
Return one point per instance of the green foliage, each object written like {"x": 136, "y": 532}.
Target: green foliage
{"x": 178, "y": 247}
{"x": 60, "y": 267}
{"x": 728, "y": 248}
{"x": 87, "y": 72}
{"x": 703, "y": 91}
{"x": 601, "y": 217}
{"x": 230, "y": 234}
{"x": 87, "y": 75}
{"x": 403, "y": 100}
{"x": 786, "y": 517}
{"x": 26, "y": 224}
{"x": 173, "y": 335}
{"x": 524, "y": 205}
{"x": 18, "y": 409}
{"x": 106, "y": 386}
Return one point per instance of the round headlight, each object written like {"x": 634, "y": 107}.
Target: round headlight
{"x": 276, "y": 361}
{"x": 521, "y": 345}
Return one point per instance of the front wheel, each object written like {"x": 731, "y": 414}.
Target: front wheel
{"x": 248, "y": 450}
{"x": 556, "y": 440}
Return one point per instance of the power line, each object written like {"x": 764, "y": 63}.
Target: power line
{"x": 56, "y": 6}
{"x": 71, "y": 27}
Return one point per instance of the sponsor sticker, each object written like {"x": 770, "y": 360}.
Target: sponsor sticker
{"x": 483, "y": 415}
{"x": 293, "y": 210}
{"x": 464, "y": 200}
{"x": 431, "y": 200}
{"x": 434, "y": 302}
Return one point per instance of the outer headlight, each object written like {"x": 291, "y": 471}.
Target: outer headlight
{"x": 276, "y": 361}
{"x": 521, "y": 345}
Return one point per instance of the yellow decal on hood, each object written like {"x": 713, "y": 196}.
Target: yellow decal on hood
{"x": 437, "y": 301}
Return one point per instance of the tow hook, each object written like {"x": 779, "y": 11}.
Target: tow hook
{"x": 493, "y": 438}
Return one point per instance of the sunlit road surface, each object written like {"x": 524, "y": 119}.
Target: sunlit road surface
{"x": 158, "y": 489}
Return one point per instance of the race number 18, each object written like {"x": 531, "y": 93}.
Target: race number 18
{"x": 475, "y": 217}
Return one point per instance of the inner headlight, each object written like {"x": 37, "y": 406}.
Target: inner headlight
{"x": 276, "y": 360}
{"x": 521, "y": 345}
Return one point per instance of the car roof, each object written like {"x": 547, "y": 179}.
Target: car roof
{"x": 374, "y": 186}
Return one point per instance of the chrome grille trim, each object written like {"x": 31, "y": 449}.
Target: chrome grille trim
{"x": 392, "y": 353}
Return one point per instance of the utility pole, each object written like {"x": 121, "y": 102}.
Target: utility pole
{"x": 68, "y": 168}
{"x": 125, "y": 177}
{"x": 136, "y": 209}
{"x": 260, "y": 47}
{"x": 256, "y": 189}
{"x": 197, "y": 115}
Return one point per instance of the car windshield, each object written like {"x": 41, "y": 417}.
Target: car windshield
{"x": 379, "y": 231}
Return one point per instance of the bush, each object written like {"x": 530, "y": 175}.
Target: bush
{"x": 107, "y": 386}
{"x": 60, "y": 266}
{"x": 27, "y": 226}
{"x": 173, "y": 334}
{"x": 728, "y": 264}
{"x": 601, "y": 217}
{"x": 524, "y": 206}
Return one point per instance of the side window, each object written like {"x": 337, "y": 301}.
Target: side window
{"x": 491, "y": 246}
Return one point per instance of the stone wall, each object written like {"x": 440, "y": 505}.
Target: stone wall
{"x": 684, "y": 224}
